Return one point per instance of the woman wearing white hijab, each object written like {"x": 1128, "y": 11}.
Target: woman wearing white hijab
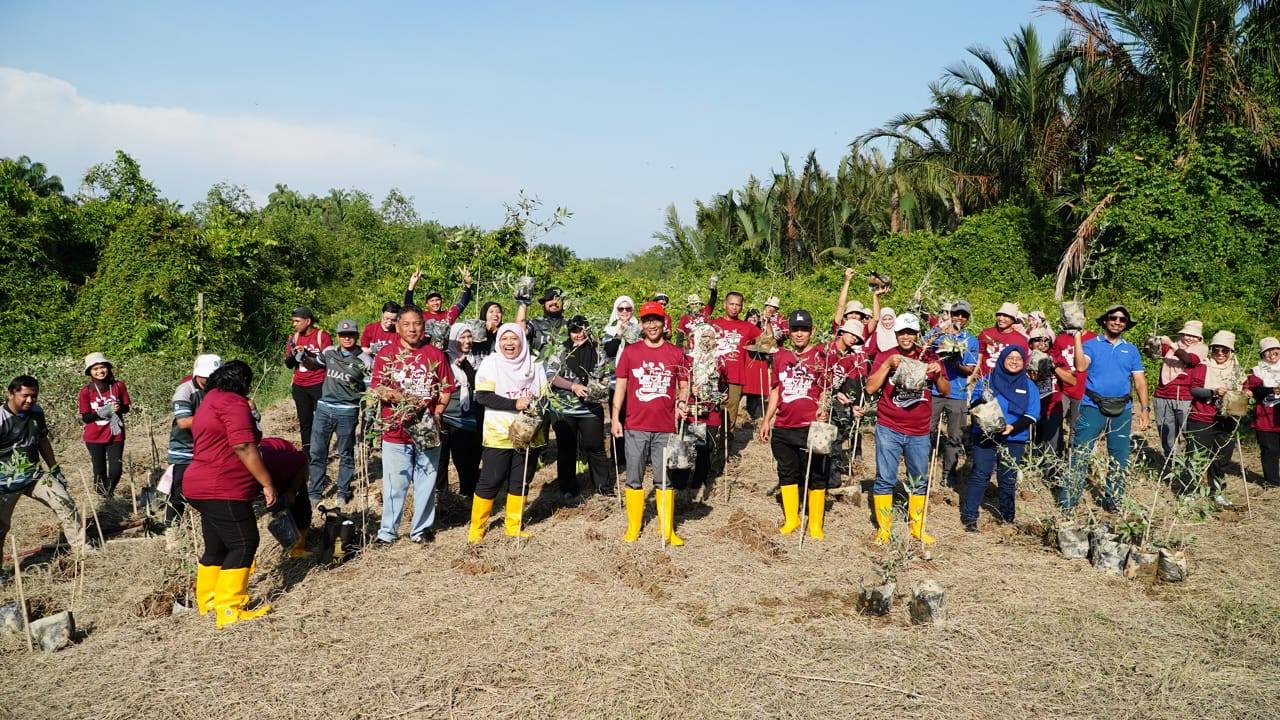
{"x": 507, "y": 382}
{"x": 883, "y": 337}
{"x": 1264, "y": 383}
{"x": 462, "y": 418}
{"x": 1209, "y": 431}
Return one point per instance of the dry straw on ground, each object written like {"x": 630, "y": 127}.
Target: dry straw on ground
{"x": 575, "y": 623}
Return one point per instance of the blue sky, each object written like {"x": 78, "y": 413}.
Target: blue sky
{"x": 612, "y": 110}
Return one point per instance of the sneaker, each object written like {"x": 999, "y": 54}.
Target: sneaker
{"x": 1222, "y": 500}
{"x": 426, "y": 538}
{"x": 381, "y": 542}
{"x": 971, "y": 526}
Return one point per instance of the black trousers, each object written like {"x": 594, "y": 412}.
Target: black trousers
{"x": 305, "y": 399}
{"x": 1269, "y": 444}
{"x": 756, "y": 405}
{"x": 107, "y": 469}
{"x": 706, "y": 462}
{"x": 177, "y": 503}
{"x": 1212, "y": 441}
{"x": 585, "y": 433}
{"x": 501, "y": 468}
{"x": 463, "y": 446}
{"x": 230, "y": 532}
{"x": 790, "y": 451}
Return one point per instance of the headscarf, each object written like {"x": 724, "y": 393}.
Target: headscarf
{"x": 611, "y": 331}
{"x": 513, "y": 375}
{"x": 1007, "y": 384}
{"x": 885, "y": 339}
{"x": 1171, "y": 367}
{"x": 1268, "y": 373}
{"x": 1222, "y": 375}
{"x": 455, "y": 353}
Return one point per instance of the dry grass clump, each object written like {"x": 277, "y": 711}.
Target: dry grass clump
{"x": 756, "y": 533}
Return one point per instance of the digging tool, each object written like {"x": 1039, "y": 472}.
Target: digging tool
{"x": 22, "y": 596}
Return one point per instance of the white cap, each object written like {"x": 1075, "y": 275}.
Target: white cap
{"x": 773, "y": 301}
{"x": 1010, "y": 309}
{"x": 906, "y": 321}
{"x": 693, "y": 300}
{"x": 205, "y": 365}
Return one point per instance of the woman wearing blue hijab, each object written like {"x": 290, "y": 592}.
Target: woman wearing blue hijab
{"x": 1020, "y": 400}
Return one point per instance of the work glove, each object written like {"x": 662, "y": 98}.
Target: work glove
{"x": 711, "y": 284}
{"x": 105, "y": 411}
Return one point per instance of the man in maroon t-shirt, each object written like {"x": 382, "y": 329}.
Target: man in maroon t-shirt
{"x": 732, "y": 332}
{"x": 803, "y": 375}
{"x": 379, "y": 334}
{"x": 697, "y": 311}
{"x": 654, "y": 382}
{"x": 995, "y": 338}
{"x": 300, "y": 351}
{"x": 412, "y": 379}
{"x": 902, "y": 425}
{"x": 287, "y": 467}
{"x": 1064, "y": 348}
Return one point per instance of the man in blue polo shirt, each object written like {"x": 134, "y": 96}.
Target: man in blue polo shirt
{"x": 1115, "y": 373}
{"x": 957, "y": 348}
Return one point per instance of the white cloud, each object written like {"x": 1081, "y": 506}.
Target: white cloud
{"x": 185, "y": 152}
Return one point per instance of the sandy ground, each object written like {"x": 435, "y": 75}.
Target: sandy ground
{"x": 740, "y": 622}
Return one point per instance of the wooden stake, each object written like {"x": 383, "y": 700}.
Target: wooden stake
{"x": 22, "y": 596}
{"x": 804, "y": 500}
{"x": 1248, "y": 504}
{"x": 928, "y": 483}
{"x": 133, "y": 494}
{"x": 93, "y": 507}
{"x": 617, "y": 470}
{"x": 658, "y": 505}
{"x": 199, "y": 323}
{"x": 524, "y": 493}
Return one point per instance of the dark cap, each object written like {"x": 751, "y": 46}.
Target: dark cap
{"x": 348, "y": 327}
{"x": 800, "y": 319}
{"x": 303, "y": 312}
{"x": 551, "y": 293}
{"x": 577, "y": 322}
{"x": 434, "y": 293}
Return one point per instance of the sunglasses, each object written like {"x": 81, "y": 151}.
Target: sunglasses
{"x": 625, "y": 309}
{"x": 1117, "y": 318}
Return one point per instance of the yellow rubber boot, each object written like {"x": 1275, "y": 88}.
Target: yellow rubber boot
{"x": 515, "y": 511}
{"x": 665, "y": 500}
{"x": 884, "y": 517}
{"x": 481, "y": 509}
{"x": 206, "y": 586}
{"x": 299, "y": 549}
{"x": 817, "y": 507}
{"x": 915, "y": 510}
{"x": 231, "y": 595}
{"x": 790, "y": 509}
{"x": 635, "y": 513}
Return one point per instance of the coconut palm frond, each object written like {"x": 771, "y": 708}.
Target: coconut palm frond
{"x": 1073, "y": 258}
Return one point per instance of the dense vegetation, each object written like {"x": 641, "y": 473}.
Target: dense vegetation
{"x": 1135, "y": 157}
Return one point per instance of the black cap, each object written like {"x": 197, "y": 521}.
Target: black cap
{"x": 577, "y": 322}
{"x": 434, "y": 293}
{"x": 551, "y": 293}
{"x": 800, "y": 319}
{"x": 303, "y": 312}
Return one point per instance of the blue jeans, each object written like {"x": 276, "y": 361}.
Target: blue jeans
{"x": 1091, "y": 424}
{"x": 892, "y": 447}
{"x": 402, "y": 466}
{"x": 327, "y": 422}
{"x": 1003, "y": 458}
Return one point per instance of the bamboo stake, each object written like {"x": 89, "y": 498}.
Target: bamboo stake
{"x": 617, "y": 471}
{"x": 928, "y": 484}
{"x": 93, "y": 507}
{"x": 804, "y": 501}
{"x": 22, "y": 596}
{"x": 1248, "y": 504}
{"x": 524, "y": 493}
{"x": 658, "y": 505}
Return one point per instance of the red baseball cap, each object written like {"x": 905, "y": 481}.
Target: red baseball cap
{"x": 652, "y": 308}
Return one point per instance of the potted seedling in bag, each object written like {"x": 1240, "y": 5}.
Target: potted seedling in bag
{"x": 822, "y": 438}
{"x": 681, "y": 452}
{"x": 911, "y": 375}
{"x": 1073, "y": 540}
{"x": 1171, "y": 567}
{"x": 1071, "y": 315}
{"x": 525, "y": 428}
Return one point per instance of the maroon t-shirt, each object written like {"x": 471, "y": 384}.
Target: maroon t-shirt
{"x": 992, "y": 341}
{"x": 1051, "y": 388}
{"x": 373, "y": 338}
{"x": 317, "y": 341}
{"x": 846, "y": 365}
{"x": 1180, "y": 388}
{"x": 707, "y": 413}
{"x": 802, "y": 378}
{"x": 906, "y": 412}
{"x": 91, "y": 398}
{"x": 222, "y": 421}
{"x": 283, "y": 460}
{"x": 686, "y": 320}
{"x": 1064, "y": 346}
{"x": 731, "y": 335}
{"x": 1266, "y": 418}
{"x": 422, "y": 372}
{"x": 653, "y": 376}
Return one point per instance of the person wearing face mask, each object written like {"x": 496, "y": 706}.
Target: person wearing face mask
{"x": 802, "y": 377}
{"x": 1264, "y": 383}
{"x": 579, "y": 426}
{"x": 186, "y": 399}
{"x": 1173, "y": 391}
{"x": 103, "y": 403}
{"x": 463, "y": 416}
{"x": 1115, "y": 373}
{"x": 300, "y": 351}
{"x": 957, "y": 349}
{"x": 382, "y": 332}
{"x": 506, "y": 383}
{"x": 902, "y": 428}
{"x": 653, "y": 379}
{"x": 995, "y": 338}
{"x": 347, "y": 374}
{"x": 1209, "y": 432}
{"x": 1019, "y": 400}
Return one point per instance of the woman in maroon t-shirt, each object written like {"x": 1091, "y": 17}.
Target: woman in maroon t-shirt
{"x": 225, "y": 476}
{"x": 103, "y": 403}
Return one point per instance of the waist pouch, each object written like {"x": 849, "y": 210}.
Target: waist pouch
{"x": 1109, "y": 406}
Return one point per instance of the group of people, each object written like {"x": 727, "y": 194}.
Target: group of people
{"x": 427, "y": 387}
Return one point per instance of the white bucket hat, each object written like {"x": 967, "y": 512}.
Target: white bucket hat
{"x": 693, "y": 300}
{"x": 1194, "y": 328}
{"x": 906, "y": 321}
{"x": 96, "y": 358}
{"x": 854, "y": 328}
{"x": 205, "y": 365}
{"x": 773, "y": 301}
{"x": 1268, "y": 343}
{"x": 1010, "y": 309}
{"x": 1224, "y": 338}
{"x": 854, "y": 306}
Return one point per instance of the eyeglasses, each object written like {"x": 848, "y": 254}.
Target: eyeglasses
{"x": 625, "y": 309}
